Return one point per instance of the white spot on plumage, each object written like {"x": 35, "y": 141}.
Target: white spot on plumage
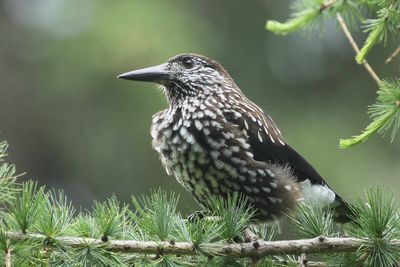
{"x": 273, "y": 185}
{"x": 214, "y": 144}
{"x": 245, "y": 124}
{"x": 237, "y": 114}
{"x": 215, "y": 124}
{"x": 214, "y": 154}
{"x": 266, "y": 130}
{"x": 191, "y": 109}
{"x": 259, "y": 136}
{"x": 272, "y": 139}
{"x": 261, "y": 172}
{"x": 183, "y": 132}
{"x": 198, "y": 125}
{"x": 243, "y": 169}
{"x": 250, "y": 107}
{"x": 230, "y": 170}
{"x": 167, "y": 133}
{"x": 219, "y": 164}
{"x": 176, "y": 139}
{"x": 227, "y": 152}
{"x": 247, "y": 188}
{"x": 252, "y": 173}
{"x": 210, "y": 114}
{"x": 177, "y": 125}
{"x": 249, "y": 154}
{"x": 190, "y": 138}
{"x": 197, "y": 148}
{"x": 235, "y": 149}
{"x": 228, "y": 135}
{"x": 242, "y": 178}
{"x": 195, "y": 102}
{"x": 266, "y": 189}
{"x": 270, "y": 173}
{"x": 236, "y": 160}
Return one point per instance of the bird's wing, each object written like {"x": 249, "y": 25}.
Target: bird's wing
{"x": 268, "y": 144}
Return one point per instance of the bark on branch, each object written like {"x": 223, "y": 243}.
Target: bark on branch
{"x": 258, "y": 248}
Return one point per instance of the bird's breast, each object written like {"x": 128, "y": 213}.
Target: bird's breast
{"x": 193, "y": 148}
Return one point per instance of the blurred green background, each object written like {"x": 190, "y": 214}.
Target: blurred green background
{"x": 72, "y": 125}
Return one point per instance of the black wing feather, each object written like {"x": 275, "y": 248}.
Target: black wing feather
{"x": 272, "y": 147}
{"x": 284, "y": 155}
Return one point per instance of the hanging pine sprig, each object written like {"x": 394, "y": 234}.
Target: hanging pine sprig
{"x": 385, "y": 114}
{"x": 310, "y": 15}
{"x": 387, "y": 22}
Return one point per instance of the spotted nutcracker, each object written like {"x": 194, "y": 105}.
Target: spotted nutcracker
{"x": 215, "y": 141}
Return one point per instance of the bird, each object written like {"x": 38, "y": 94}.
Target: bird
{"x": 216, "y": 141}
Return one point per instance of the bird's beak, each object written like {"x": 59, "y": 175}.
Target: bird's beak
{"x": 155, "y": 74}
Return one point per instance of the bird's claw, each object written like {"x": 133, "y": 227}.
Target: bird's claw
{"x": 197, "y": 215}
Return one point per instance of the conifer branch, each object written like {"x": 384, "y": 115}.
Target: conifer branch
{"x": 350, "y": 38}
{"x": 393, "y": 55}
{"x": 308, "y": 15}
{"x": 259, "y": 248}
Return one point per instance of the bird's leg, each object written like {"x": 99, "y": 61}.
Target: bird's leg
{"x": 249, "y": 235}
{"x": 197, "y": 215}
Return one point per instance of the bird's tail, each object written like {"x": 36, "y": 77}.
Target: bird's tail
{"x": 343, "y": 211}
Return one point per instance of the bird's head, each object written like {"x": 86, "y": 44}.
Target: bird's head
{"x": 185, "y": 75}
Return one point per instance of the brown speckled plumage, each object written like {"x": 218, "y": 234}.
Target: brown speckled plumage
{"x": 215, "y": 141}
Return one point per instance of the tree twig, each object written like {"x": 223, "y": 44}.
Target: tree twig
{"x": 366, "y": 65}
{"x": 239, "y": 250}
{"x": 393, "y": 55}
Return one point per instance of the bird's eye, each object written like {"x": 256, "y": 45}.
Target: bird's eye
{"x": 187, "y": 63}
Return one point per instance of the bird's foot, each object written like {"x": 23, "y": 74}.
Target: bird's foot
{"x": 197, "y": 215}
{"x": 249, "y": 235}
